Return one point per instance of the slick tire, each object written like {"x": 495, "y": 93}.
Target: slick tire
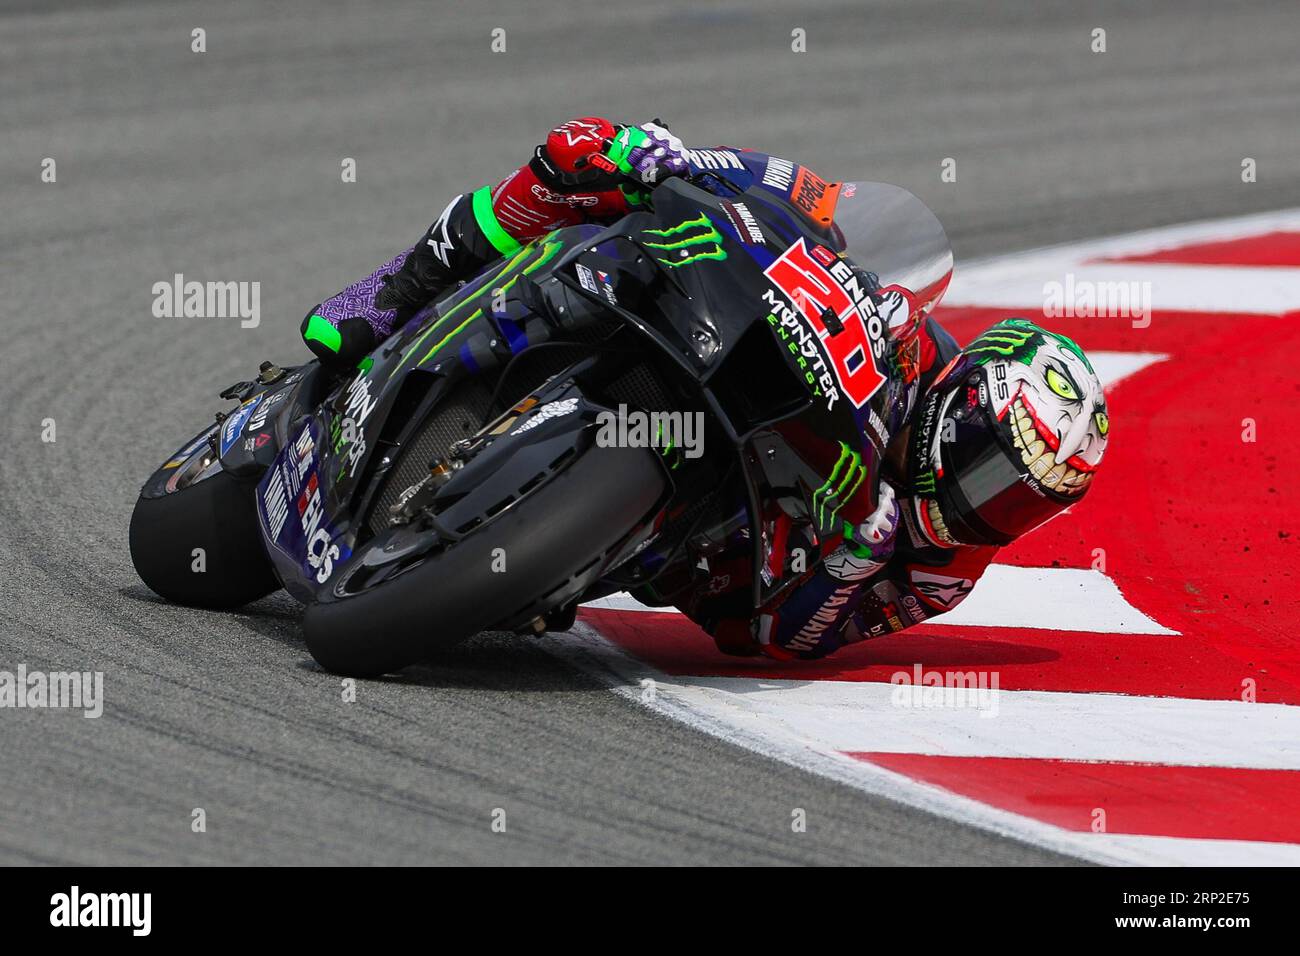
{"x": 217, "y": 515}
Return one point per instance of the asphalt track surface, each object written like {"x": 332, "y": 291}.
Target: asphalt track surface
{"x": 225, "y": 166}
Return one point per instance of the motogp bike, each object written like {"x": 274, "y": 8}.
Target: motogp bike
{"x": 466, "y": 477}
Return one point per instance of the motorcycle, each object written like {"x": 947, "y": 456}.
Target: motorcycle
{"x": 463, "y": 479}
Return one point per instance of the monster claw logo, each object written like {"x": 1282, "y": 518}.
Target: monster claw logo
{"x": 1019, "y": 340}
{"x": 842, "y": 485}
{"x": 925, "y": 482}
{"x": 704, "y": 244}
{"x": 1015, "y": 339}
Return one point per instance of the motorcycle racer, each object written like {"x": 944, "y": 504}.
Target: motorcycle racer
{"x": 994, "y": 439}
{"x": 1005, "y": 435}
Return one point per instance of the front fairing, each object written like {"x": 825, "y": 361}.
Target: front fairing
{"x": 313, "y": 498}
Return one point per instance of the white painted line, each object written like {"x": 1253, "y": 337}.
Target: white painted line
{"x": 1054, "y": 599}
{"x": 1022, "y": 285}
{"x": 866, "y": 716}
{"x": 1158, "y": 239}
{"x": 1017, "y": 281}
{"x": 587, "y": 650}
{"x": 1111, "y": 367}
{"x": 1186, "y": 851}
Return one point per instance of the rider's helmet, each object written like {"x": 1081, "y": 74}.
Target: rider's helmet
{"x": 1009, "y": 434}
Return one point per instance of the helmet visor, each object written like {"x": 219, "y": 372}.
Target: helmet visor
{"x": 992, "y": 498}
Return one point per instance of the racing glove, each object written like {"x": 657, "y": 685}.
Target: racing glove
{"x": 657, "y": 156}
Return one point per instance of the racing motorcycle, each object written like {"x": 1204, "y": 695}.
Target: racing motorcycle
{"x": 458, "y": 481}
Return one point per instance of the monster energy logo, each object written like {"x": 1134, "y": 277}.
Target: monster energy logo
{"x": 454, "y": 320}
{"x": 925, "y": 482}
{"x": 1019, "y": 341}
{"x": 840, "y": 486}
{"x": 1015, "y": 339}
{"x": 690, "y": 248}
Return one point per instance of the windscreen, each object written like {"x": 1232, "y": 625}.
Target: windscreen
{"x": 888, "y": 231}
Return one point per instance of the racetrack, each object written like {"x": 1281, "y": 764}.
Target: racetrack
{"x": 225, "y": 165}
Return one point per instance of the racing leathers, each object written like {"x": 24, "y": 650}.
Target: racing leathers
{"x": 889, "y": 571}
{"x": 580, "y": 174}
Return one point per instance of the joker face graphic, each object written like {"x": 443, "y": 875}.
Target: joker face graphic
{"x": 1048, "y": 398}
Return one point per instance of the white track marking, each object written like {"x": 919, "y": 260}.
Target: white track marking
{"x": 865, "y": 716}
{"x": 587, "y": 650}
{"x": 1156, "y": 240}
{"x": 1111, "y": 367}
{"x": 1187, "y": 851}
{"x": 1173, "y": 286}
{"x": 1071, "y": 599}
{"x": 1017, "y": 281}
{"x": 627, "y": 676}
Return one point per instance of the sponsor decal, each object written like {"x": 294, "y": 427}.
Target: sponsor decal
{"x": 834, "y": 295}
{"x": 896, "y": 306}
{"x": 885, "y": 595}
{"x": 322, "y": 552}
{"x": 813, "y": 196}
{"x": 439, "y": 238}
{"x": 348, "y": 434}
{"x": 358, "y": 402}
{"x": 880, "y": 434}
{"x": 779, "y": 174}
{"x": 842, "y": 485}
{"x": 607, "y": 287}
{"x": 844, "y": 565}
{"x": 311, "y": 508}
{"x": 586, "y": 278}
{"x": 688, "y": 242}
{"x": 941, "y": 591}
{"x": 824, "y": 256}
{"x": 563, "y": 199}
{"x": 579, "y": 131}
{"x": 258, "y": 420}
{"x": 713, "y": 158}
{"x": 802, "y": 342}
{"x": 743, "y": 221}
{"x": 275, "y": 503}
{"x": 253, "y": 442}
{"x": 235, "y": 423}
{"x": 283, "y": 482}
{"x": 823, "y": 618}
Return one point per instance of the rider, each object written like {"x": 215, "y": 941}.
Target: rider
{"x": 997, "y": 437}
